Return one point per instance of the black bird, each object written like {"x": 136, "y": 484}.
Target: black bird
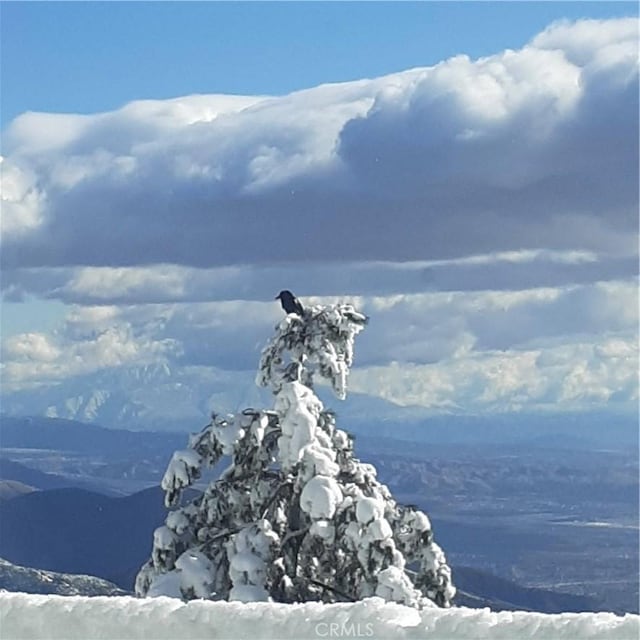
{"x": 290, "y": 303}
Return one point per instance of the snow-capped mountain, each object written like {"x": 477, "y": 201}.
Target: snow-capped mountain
{"x": 179, "y": 399}
{"x": 12, "y": 488}
{"x": 154, "y": 397}
{"x": 163, "y": 398}
{"x": 27, "y": 580}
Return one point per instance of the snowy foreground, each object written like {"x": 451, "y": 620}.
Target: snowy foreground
{"x": 24, "y": 616}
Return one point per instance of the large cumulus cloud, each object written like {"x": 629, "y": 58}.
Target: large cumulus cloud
{"x": 524, "y": 149}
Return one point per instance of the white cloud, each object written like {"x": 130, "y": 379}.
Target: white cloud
{"x": 588, "y": 41}
{"x": 429, "y": 327}
{"x": 528, "y": 149}
{"x": 482, "y": 212}
{"x": 513, "y": 270}
{"x": 22, "y": 201}
{"x": 35, "y": 359}
{"x": 573, "y": 376}
{"x": 122, "y": 283}
{"x": 565, "y": 347}
{"x": 35, "y": 347}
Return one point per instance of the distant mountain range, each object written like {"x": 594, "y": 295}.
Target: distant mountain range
{"x": 37, "y": 432}
{"x": 75, "y": 519}
{"x": 111, "y": 461}
{"x": 481, "y": 589}
{"x": 158, "y": 398}
{"x": 107, "y": 460}
{"x": 152, "y": 397}
{"x": 79, "y": 532}
{"x": 19, "y": 479}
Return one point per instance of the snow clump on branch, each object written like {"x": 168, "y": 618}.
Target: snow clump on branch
{"x": 296, "y": 516}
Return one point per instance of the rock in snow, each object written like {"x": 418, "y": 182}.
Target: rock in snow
{"x": 16, "y": 578}
{"x": 32, "y": 617}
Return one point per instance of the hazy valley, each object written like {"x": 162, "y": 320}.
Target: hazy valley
{"x": 547, "y": 528}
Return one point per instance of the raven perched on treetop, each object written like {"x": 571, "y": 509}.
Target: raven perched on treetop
{"x": 289, "y": 302}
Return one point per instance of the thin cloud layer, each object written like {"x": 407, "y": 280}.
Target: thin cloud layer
{"x": 164, "y": 283}
{"x": 521, "y": 150}
{"x": 571, "y": 348}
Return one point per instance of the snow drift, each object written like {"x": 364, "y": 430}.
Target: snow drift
{"x": 24, "y": 616}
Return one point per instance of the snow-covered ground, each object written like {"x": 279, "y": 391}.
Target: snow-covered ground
{"x": 32, "y": 617}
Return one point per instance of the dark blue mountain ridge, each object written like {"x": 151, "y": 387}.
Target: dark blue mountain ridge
{"x": 577, "y": 431}
{"x": 12, "y": 471}
{"x": 38, "y": 432}
{"x": 80, "y": 532}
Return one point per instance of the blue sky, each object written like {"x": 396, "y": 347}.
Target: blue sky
{"x": 84, "y": 57}
{"x": 471, "y": 183}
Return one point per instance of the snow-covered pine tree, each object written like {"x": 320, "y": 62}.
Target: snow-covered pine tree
{"x": 296, "y": 516}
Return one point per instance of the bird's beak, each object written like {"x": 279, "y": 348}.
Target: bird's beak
{"x": 277, "y": 297}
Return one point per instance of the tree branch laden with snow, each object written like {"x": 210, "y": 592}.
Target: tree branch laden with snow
{"x": 296, "y": 516}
